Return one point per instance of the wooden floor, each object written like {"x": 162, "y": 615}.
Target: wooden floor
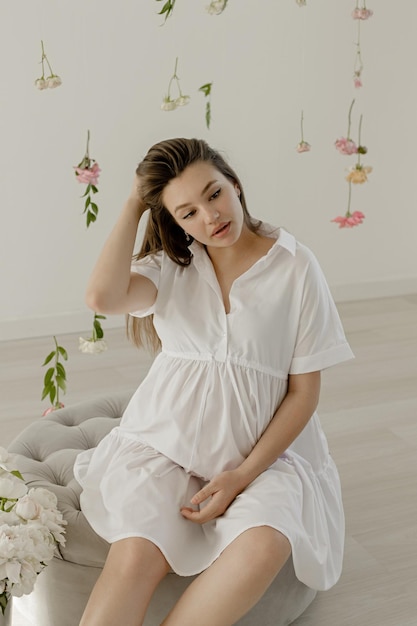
{"x": 369, "y": 411}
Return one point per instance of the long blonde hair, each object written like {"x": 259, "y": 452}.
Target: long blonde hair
{"x": 164, "y": 161}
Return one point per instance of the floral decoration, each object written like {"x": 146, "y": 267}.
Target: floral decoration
{"x": 216, "y": 7}
{"x": 95, "y": 344}
{"x": 303, "y": 146}
{"x": 55, "y": 378}
{"x": 167, "y": 9}
{"x": 301, "y": 3}
{"x": 31, "y": 527}
{"x": 168, "y": 103}
{"x": 345, "y": 145}
{"x": 358, "y": 174}
{"x": 48, "y": 82}
{"x": 206, "y": 89}
{"x": 87, "y": 172}
{"x": 359, "y": 14}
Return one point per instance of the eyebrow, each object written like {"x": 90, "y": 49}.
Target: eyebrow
{"x": 186, "y": 204}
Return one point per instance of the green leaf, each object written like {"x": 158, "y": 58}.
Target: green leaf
{"x": 87, "y": 201}
{"x": 52, "y": 394}
{"x": 94, "y": 208}
{"x": 48, "y": 376}
{"x": 61, "y": 383}
{"x": 17, "y": 474}
{"x": 90, "y": 218}
{"x": 87, "y": 191}
{"x": 99, "y": 330}
{"x": 49, "y": 358}
{"x": 94, "y": 189}
{"x": 100, "y": 317}
{"x": 63, "y": 352}
{"x": 206, "y": 89}
{"x": 60, "y": 370}
{"x": 49, "y": 390}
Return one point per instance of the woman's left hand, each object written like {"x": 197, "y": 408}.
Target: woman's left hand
{"x": 221, "y": 490}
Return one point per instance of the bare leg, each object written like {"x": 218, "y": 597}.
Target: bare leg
{"x": 133, "y": 569}
{"x": 235, "y": 582}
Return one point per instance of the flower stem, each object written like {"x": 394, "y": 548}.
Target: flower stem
{"x": 56, "y": 381}
{"x": 302, "y": 126}
{"x": 359, "y": 138}
{"x": 87, "y": 153}
{"x": 44, "y": 57}
{"x": 348, "y": 213}
{"x": 350, "y": 118}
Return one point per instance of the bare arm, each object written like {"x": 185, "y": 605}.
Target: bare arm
{"x": 289, "y": 420}
{"x": 112, "y": 287}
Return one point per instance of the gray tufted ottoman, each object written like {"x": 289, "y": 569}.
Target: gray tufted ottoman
{"x": 46, "y": 452}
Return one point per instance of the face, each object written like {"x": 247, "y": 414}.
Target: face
{"x": 206, "y": 205}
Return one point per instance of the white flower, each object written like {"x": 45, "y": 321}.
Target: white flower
{"x": 11, "y": 487}
{"x": 216, "y": 7}
{"x": 53, "y": 81}
{"x": 44, "y": 497}
{"x": 168, "y": 104}
{"x": 41, "y": 83}
{"x": 182, "y": 100}
{"x": 89, "y": 346}
{"x": 27, "y": 508}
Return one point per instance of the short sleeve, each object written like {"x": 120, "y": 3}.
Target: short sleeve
{"x": 320, "y": 341}
{"x": 150, "y": 267}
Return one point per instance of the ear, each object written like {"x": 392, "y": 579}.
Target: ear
{"x": 237, "y": 189}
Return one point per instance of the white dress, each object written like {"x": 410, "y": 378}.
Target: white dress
{"x": 208, "y": 397}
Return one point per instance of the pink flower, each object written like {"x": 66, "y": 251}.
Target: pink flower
{"x": 303, "y": 146}
{"x": 88, "y": 175}
{"x": 346, "y": 146}
{"x": 357, "y": 82}
{"x": 362, "y": 14}
{"x": 350, "y": 219}
{"x": 52, "y": 409}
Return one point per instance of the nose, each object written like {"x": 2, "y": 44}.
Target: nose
{"x": 211, "y": 215}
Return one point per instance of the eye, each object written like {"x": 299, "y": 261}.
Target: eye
{"x": 190, "y": 214}
{"x": 215, "y": 194}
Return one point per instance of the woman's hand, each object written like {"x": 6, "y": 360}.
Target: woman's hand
{"x": 135, "y": 196}
{"x": 221, "y": 490}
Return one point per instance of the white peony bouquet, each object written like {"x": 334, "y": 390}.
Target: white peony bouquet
{"x": 30, "y": 529}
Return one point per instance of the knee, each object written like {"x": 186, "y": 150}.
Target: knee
{"x": 136, "y": 556}
{"x": 270, "y": 548}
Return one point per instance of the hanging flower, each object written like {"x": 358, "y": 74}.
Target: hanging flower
{"x": 362, "y": 14}
{"x": 216, "y": 7}
{"x": 359, "y": 174}
{"x": 168, "y": 103}
{"x": 345, "y": 145}
{"x": 87, "y": 172}
{"x": 167, "y": 9}
{"x": 301, "y": 3}
{"x": 206, "y": 89}
{"x": 95, "y": 344}
{"x": 51, "y": 81}
{"x": 303, "y": 146}
{"x": 55, "y": 377}
{"x": 350, "y": 219}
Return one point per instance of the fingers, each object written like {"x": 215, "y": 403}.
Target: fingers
{"x": 203, "y": 494}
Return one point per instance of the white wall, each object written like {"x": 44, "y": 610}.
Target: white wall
{"x": 267, "y": 60}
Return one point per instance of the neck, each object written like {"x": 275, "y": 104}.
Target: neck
{"x": 229, "y": 254}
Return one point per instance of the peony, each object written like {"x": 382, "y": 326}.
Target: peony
{"x": 350, "y": 219}
{"x": 216, "y": 7}
{"x": 303, "y": 146}
{"x": 346, "y": 146}
{"x": 11, "y": 487}
{"x": 359, "y": 174}
{"x": 362, "y": 14}
{"x": 53, "y": 81}
{"x": 88, "y": 175}
{"x": 43, "y": 497}
{"x": 182, "y": 101}
{"x": 89, "y": 346}
{"x": 27, "y": 508}
{"x": 168, "y": 104}
{"x": 41, "y": 83}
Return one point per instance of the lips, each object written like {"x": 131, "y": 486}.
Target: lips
{"x": 221, "y": 229}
